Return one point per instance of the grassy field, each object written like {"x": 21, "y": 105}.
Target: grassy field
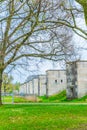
{"x": 43, "y": 117}
{"x": 61, "y": 98}
{"x": 58, "y": 98}
{"x": 8, "y": 99}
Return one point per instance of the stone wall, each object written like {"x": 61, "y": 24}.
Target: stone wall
{"x": 56, "y": 81}
{"x": 82, "y": 78}
{"x": 31, "y": 87}
{"x": 71, "y": 74}
{"x": 42, "y": 85}
{"x": 76, "y": 79}
{"x": 22, "y": 89}
{"x": 35, "y": 83}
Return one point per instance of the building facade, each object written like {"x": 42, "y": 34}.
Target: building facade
{"x": 23, "y": 89}
{"x": 42, "y": 85}
{"x": 53, "y": 82}
{"x": 56, "y": 81}
{"x": 30, "y": 87}
{"x": 35, "y": 86}
{"x": 76, "y": 79}
{"x": 27, "y": 88}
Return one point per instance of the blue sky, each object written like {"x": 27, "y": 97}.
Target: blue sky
{"x": 20, "y": 75}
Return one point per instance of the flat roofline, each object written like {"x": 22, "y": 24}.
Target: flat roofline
{"x": 56, "y": 70}
{"x": 76, "y": 61}
{"x": 33, "y": 78}
{"x": 42, "y": 75}
{"x": 38, "y": 77}
{"x": 23, "y": 83}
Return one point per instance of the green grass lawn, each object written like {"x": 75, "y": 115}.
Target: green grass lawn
{"x": 61, "y": 98}
{"x": 8, "y": 99}
{"x": 43, "y": 117}
{"x": 58, "y": 98}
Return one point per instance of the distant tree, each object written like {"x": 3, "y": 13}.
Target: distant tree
{"x": 7, "y": 83}
{"x": 16, "y": 86}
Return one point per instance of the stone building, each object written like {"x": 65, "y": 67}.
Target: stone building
{"x": 35, "y": 86}
{"x": 42, "y": 85}
{"x": 56, "y": 81}
{"x": 31, "y": 84}
{"x": 38, "y": 85}
{"x": 23, "y": 89}
{"x": 53, "y": 82}
{"x": 27, "y": 88}
{"x": 76, "y": 79}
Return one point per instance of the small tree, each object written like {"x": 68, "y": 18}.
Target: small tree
{"x": 7, "y": 83}
{"x": 16, "y": 86}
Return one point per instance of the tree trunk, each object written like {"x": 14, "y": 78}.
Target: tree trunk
{"x": 1, "y": 72}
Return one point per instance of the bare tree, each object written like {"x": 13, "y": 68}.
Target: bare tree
{"x": 84, "y": 5}
{"x": 28, "y": 30}
{"x": 71, "y": 12}
{"x": 74, "y": 11}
